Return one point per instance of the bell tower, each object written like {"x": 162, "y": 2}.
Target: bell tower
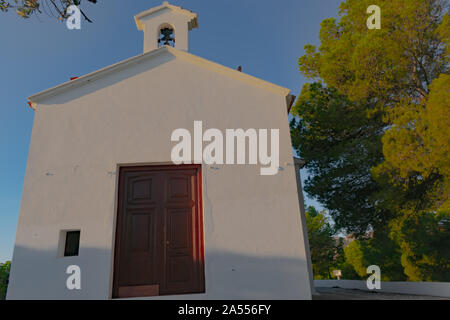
{"x": 166, "y": 25}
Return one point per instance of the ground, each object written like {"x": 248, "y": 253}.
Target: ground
{"x": 349, "y": 294}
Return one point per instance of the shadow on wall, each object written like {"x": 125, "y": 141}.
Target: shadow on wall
{"x": 39, "y": 274}
{"x": 238, "y": 276}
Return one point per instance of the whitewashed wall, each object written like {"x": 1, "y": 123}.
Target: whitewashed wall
{"x": 253, "y": 234}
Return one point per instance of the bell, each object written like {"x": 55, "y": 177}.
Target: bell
{"x": 166, "y": 34}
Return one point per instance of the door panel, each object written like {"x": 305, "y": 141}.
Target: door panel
{"x": 180, "y": 226}
{"x": 179, "y": 250}
{"x": 179, "y": 187}
{"x": 140, "y": 248}
{"x": 159, "y": 234}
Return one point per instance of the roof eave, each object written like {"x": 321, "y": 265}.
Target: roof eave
{"x": 92, "y": 76}
{"x": 36, "y": 98}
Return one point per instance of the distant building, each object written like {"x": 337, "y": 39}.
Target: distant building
{"x": 351, "y": 237}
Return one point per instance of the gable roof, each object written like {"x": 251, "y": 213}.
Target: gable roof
{"x": 38, "y": 97}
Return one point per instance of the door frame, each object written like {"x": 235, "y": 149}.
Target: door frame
{"x": 200, "y": 249}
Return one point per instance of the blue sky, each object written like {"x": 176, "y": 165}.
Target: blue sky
{"x": 266, "y": 37}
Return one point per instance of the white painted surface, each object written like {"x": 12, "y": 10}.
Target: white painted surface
{"x": 301, "y": 202}
{"x": 254, "y": 247}
{"x": 166, "y": 15}
{"x": 436, "y": 289}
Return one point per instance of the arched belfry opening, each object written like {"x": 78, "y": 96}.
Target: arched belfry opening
{"x": 166, "y": 25}
{"x": 166, "y": 35}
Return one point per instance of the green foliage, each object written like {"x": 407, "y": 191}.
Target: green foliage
{"x": 376, "y": 137}
{"x": 424, "y": 239}
{"x": 383, "y": 65}
{"x": 327, "y": 252}
{"x": 25, "y": 8}
{"x": 348, "y": 272}
{"x": 4, "y": 277}
{"x": 321, "y": 242}
{"x": 379, "y": 250}
{"x": 341, "y": 263}
{"x": 355, "y": 257}
{"x": 417, "y": 152}
{"x": 340, "y": 143}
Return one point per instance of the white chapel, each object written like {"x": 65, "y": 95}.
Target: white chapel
{"x": 107, "y": 212}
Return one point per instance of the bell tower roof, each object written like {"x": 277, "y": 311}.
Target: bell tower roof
{"x": 193, "y": 23}
{"x": 166, "y": 16}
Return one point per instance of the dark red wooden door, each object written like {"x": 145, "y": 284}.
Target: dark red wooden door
{"x": 159, "y": 233}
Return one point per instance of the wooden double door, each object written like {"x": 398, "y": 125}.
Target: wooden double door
{"x": 159, "y": 232}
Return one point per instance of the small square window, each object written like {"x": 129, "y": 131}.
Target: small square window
{"x": 72, "y": 244}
